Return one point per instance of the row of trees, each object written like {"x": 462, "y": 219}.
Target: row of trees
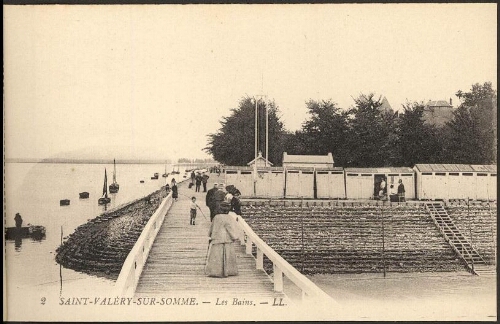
{"x": 187, "y": 160}
{"x": 366, "y": 135}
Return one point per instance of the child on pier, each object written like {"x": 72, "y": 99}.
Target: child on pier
{"x": 192, "y": 208}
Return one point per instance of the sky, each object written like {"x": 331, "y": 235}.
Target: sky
{"x": 152, "y": 81}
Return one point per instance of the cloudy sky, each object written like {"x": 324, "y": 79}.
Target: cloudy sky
{"x": 153, "y": 81}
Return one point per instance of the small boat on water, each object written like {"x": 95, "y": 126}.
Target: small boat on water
{"x": 165, "y": 174}
{"x": 114, "y": 187}
{"x": 155, "y": 176}
{"x": 64, "y": 202}
{"x": 33, "y": 231}
{"x": 142, "y": 181}
{"x": 84, "y": 195}
{"x": 174, "y": 171}
{"x": 104, "y": 199}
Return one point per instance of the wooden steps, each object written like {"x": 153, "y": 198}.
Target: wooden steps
{"x": 176, "y": 262}
{"x": 456, "y": 238}
{"x": 485, "y": 270}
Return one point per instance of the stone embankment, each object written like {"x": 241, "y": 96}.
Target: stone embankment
{"x": 101, "y": 246}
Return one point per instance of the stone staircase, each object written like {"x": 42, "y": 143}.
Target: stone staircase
{"x": 475, "y": 263}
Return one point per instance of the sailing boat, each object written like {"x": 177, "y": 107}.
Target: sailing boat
{"x": 165, "y": 174}
{"x": 104, "y": 199}
{"x": 114, "y": 187}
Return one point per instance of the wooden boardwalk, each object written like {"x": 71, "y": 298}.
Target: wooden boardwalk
{"x": 176, "y": 261}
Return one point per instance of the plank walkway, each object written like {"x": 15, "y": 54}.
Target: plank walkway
{"x": 176, "y": 261}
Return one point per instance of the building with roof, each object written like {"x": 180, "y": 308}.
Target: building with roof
{"x": 307, "y": 161}
{"x": 260, "y": 161}
{"x": 456, "y": 181}
{"x": 438, "y": 112}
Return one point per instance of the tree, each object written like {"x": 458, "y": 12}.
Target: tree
{"x": 233, "y": 144}
{"x": 471, "y": 137}
{"x": 372, "y": 133}
{"x": 417, "y": 142}
{"x": 325, "y": 131}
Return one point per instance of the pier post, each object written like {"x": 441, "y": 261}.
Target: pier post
{"x": 260, "y": 260}
{"x": 248, "y": 249}
{"x": 278, "y": 279}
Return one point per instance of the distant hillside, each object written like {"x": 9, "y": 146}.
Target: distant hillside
{"x": 21, "y": 160}
{"x": 85, "y": 161}
{"x": 103, "y": 155}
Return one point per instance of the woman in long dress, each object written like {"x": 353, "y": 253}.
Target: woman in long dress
{"x": 221, "y": 260}
{"x": 175, "y": 194}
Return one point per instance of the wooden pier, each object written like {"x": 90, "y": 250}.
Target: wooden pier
{"x": 176, "y": 261}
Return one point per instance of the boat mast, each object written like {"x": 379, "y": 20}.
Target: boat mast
{"x": 105, "y": 188}
{"x": 114, "y": 171}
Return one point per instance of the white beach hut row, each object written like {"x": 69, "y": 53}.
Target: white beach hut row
{"x": 456, "y": 181}
{"x": 424, "y": 181}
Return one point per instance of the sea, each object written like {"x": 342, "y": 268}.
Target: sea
{"x": 34, "y": 190}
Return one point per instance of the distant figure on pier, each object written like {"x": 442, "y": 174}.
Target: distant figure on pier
{"x": 236, "y": 203}
{"x": 167, "y": 188}
{"x": 192, "y": 177}
{"x": 175, "y": 194}
{"x": 198, "y": 179}
{"x": 204, "y": 179}
{"x": 221, "y": 259}
{"x": 401, "y": 191}
{"x": 172, "y": 182}
{"x": 19, "y": 221}
{"x": 210, "y": 200}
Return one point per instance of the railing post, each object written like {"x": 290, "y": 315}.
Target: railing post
{"x": 260, "y": 260}
{"x": 277, "y": 278}
{"x": 248, "y": 249}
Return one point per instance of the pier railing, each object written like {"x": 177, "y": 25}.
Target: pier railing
{"x": 309, "y": 291}
{"x": 132, "y": 267}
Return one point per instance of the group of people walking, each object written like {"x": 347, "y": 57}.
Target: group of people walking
{"x": 198, "y": 179}
{"x": 221, "y": 259}
{"x": 217, "y": 195}
{"x": 221, "y": 256}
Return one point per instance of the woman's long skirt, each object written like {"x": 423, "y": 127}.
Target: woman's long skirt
{"x": 221, "y": 261}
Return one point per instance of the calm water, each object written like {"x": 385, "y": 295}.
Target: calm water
{"x": 34, "y": 191}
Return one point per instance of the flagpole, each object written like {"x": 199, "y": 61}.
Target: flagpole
{"x": 267, "y": 133}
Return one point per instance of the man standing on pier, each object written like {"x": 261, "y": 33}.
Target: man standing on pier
{"x": 210, "y": 201}
{"x": 204, "y": 180}
{"x": 192, "y": 177}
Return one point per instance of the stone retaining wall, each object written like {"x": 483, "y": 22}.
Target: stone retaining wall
{"x": 100, "y": 246}
{"x": 333, "y": 239}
